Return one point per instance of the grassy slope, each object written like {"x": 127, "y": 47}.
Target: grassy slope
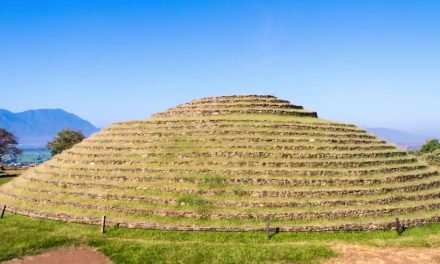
{"x": 5, "y": 179}
{"x": 9, "y": 174}
{"x": 24, "y": 236}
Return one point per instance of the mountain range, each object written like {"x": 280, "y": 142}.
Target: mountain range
{"x": 401, "y": 139}
{"x": 34, "y": 128}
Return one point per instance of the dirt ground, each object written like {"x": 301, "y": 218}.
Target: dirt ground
{"x": 63, "y": 256}
{"x": 352, "y": 254}
{"x": 356, "y": 254}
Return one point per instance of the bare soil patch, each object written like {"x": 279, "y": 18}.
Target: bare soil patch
{"x": 358, "y": 254}
{"x": 67, "y": 255}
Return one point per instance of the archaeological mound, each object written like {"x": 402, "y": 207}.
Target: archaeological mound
{"x": 230, "y": 163}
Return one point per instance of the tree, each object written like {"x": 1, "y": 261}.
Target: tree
{"x": 430, "y": 146}
{"x": 65, "y": 139}
{"x": 8, "y": 144}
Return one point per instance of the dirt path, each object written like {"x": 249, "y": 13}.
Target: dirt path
{"x": 356, "y": 254}
{"x": 62, "y": 256}
{"x": 352, "y": 254}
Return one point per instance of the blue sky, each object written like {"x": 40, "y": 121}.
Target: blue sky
{"x": 373, "y": 63}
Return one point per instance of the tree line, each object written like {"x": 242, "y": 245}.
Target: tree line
{"x": 65, "y": 139}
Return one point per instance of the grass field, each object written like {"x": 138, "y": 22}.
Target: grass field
{"x": 22, "y": 236}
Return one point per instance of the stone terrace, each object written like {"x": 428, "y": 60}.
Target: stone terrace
{"x": 227, "y": 163}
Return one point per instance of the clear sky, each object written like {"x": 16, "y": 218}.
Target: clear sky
{"x": 373, "y": 63}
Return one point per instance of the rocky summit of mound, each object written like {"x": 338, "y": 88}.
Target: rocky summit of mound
{"x": 228, "y": 163}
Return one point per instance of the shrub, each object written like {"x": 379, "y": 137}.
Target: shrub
{"x": 430, "y": 146}
{"x": 433, "y": 158}
{"x": 193, "y": 200}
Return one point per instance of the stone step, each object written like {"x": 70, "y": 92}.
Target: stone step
{"x": 244, "y": 126}
{"x": 256, "y": 225}
{"x": 201, "y": 132}
{"x": 292, "y": 215}
{"x": 244, "y": 204}
{"x": 152, "y": 153}
{"x": 234, "y": 138}
{"x": 88, "y": 145}
{"x": 286, "y": 191}
{"x": 263, "y": 171}
{"x": 239, "y": 120}
{"x": 244, "y": 163}
{"x": 266, "y": 181}
{"x": 235, "y": 105}
{"x": 230, "y": 111}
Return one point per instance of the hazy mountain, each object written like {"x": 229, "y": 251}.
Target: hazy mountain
{"x": 35, "y": 127}
{"x": 400, "y": 138}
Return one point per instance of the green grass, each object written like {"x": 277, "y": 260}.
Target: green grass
{"x": 22, "y": 236}
{"x": 25, "y": 236}
{"x": 6, "y": 179}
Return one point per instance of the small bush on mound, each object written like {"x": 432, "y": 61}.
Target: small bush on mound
{"x": 193, "y": 200}
{"x": 203, "y": 206}
{"x": 434, "y": 158}
{"x": 215, "y": 181}
{"x": 238, "y": 191}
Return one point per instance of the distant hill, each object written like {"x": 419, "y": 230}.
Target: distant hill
{"x": 400, "y": 138}
{"x": 35, "y": 127}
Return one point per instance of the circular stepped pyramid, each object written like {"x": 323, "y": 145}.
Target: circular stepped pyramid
{"x": 227, "y": 164}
